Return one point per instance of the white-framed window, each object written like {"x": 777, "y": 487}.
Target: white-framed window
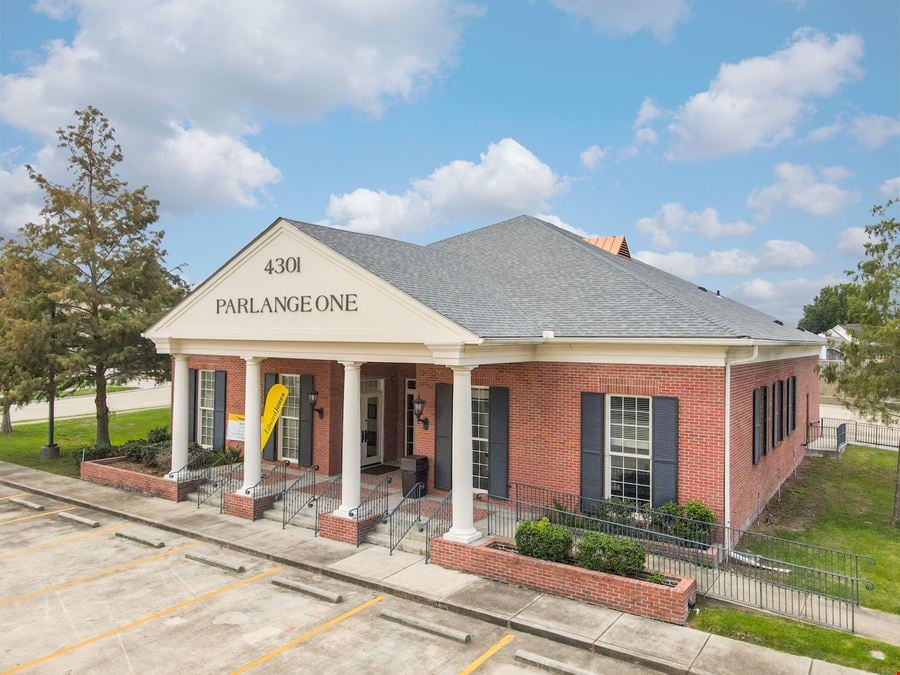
{"x": 206, "y": 403}
{"x": 480, "y": 419}
{"x": 629, "y": 448}
{"x": 289, "y": 423}
{"x": 409, "y": 439}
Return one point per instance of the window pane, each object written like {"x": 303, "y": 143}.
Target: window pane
{"x": 480, "y": 415}
{"x": 630, "y": 448}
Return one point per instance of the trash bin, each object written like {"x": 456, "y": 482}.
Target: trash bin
{"x": 414, "y": 469}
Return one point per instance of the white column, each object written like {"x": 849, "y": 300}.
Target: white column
{"x": 252, "y": 422}
{"x": 350, "y": 439}
{"x": 180, "y": 406}
{"x": 463, "y": 529}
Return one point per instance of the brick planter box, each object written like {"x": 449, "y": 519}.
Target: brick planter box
{"x": 635, "y": 596}
{"x": 347, "y": 530}
{"x": 105, "y": 472}
{"x": 245, "y": 506}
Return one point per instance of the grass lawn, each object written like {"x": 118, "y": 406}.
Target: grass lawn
{"x": 798, "y": 638}
{"x": 23, "y": 445}
{"x": 90, "y": 391}
{"x": 845, "y": 504}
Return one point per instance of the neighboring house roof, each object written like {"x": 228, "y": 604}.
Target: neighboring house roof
{"x": 521, "y": 277}
{"x": 615, "y": 244}
{"x": 842, "y": 333}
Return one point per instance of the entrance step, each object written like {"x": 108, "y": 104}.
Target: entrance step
{"x": 406, "y": 544}
{"x": 305, "y": 518}
{"x": 413, "y": 534}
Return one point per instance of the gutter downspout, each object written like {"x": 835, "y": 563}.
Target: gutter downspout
{"x": 728, "y": 364}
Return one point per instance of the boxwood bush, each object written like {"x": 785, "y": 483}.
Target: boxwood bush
{"x": 542, "y": 539}
{"x": 692, "y": 520}
{"x": 605, "y": 553}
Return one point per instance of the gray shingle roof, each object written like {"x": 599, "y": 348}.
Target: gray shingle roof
{"x": 522, "y": 276}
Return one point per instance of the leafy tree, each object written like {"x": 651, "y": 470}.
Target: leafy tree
{"x": 832, "y": 306}
{"x": 100, "y": 264}
{"x": 869, "y": 381}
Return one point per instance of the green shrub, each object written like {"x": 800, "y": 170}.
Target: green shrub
{"x": 158, "y": 435}
{"x": 229, "y": 456}
{"x": 657, "y": 578}
{"x": 616, "y": 555}
{"x": 692, "y": 520}
{"x": 91, "y": 452}
{"x": 542, "y": 539}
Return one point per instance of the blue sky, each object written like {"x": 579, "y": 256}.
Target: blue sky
{"x": 738, "y": 144}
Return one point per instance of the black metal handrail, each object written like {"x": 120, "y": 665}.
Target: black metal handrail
{"x": 327, "y": 499}
{"x": 407, "y": 513}
{"x": 195, "y": 463}
{"x": 374, "y": 503}
{"x": 439, "y": 522}
{"x": 298, "y": 495}
{"x": 273, "y": 482}
{"x": 231, "y": 482}
{"x": 212, "y": 478}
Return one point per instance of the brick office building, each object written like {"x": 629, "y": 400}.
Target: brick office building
{"x": 536, "y": 357}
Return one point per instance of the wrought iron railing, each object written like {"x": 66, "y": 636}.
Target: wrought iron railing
{"x": 298, "y": 495}
{"x": 439, "y": 522}
{"x": 784, "y": 576}
{"x": 271, "y": 483}
{"x": 327, "y": 499}
{"x": 407, "y": 513}
{"x": 211, "y": 480}
{"x": 374, "y": 503}
{"x": 200, "y": 459}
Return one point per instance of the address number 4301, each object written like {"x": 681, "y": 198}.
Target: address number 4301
{"x": 283, "y": 265}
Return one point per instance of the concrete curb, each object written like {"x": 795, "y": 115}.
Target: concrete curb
{"x": 24, "y": 502}
{"x": 552, "y": 665}
{"x": 140, "y": 540}
{"x": 223, "y": 564}
{"x": 299, "y": 586}
{"x": 427, "y": 626}
{"x": 81, "y": 520}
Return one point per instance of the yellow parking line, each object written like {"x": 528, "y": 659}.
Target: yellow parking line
{"x": 140, "y": 622}
{"x": 39, "y": 515}
{"x": 20, "y": 494}
{"x": 63, "y": 540}
{"x": 96, "y": 575}
{"x": 476, "y": 664}
{"x": 306, "y": 636}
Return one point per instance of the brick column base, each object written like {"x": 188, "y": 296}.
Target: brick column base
{"x": 347, "y": 530}
{"x": 245, "y": 506}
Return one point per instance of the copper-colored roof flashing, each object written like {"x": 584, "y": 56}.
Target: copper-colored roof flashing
{"x": 615, "y": 244}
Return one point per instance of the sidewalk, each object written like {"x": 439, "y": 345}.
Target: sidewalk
{"x": 147, "y": 395}
{"x": 662, "y": 646}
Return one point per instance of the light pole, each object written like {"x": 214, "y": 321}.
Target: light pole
{"x": 51, "y": 450}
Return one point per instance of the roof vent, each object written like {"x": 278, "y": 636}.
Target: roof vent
{"x": 702, "y": 289}
{"x": 614, "y": 244}
{"x": 718, "y": 294}
{"x": 779, "y": 322}
{"x": 548, "y": 335}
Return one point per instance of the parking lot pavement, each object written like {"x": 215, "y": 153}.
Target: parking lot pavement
{"x": 79, "y": 599}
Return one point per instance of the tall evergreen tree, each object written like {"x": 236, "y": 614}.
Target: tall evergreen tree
{"x": 101, "y": 265}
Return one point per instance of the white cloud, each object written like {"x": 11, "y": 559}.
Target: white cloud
{"x": 648, "y": 112}
{"x": 797, "y": 187}
{"x": 613, "y": 17}
{"x": 873, "y": 131}
{"x": 507, "y": 180}
{"x": 591, "y": 156}
{"x": 834, "y": 173}
{"x": 851, "y": 242}
{"x": 891, "y": 188}
{"x": 756, "y": 102}
{"x": 784, "y": 299}
{"x": 176, "y": 76}
{"x": 643, "y": 138}
{"x": 672, "y": 218}
{"x": 559, "y": 222}
{"x": 775, "y": 255}
{"x": 825, "y": 133}
{"x": 20, "y": 201}
{"x": 645, "y": 135}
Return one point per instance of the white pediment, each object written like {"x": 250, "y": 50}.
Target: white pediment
{"x": 286, "y": 285}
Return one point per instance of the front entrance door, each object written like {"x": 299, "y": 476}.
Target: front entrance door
{"x": 371, "y": 406}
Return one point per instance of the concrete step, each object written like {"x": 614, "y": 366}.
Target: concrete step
{"x": 407, "y": 545}
{"x": 413, "y": 534}
{"x": 305, "y": 518}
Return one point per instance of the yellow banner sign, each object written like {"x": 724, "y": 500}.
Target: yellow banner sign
{"x": 275, "y": 401}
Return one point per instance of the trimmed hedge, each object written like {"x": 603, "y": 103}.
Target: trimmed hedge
{"x": 542, "y": 539}
{"x": 605, "y": 553}
{"x": 692, "y": 520}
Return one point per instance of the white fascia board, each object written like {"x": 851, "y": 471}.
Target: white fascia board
{"x": 366, "y": 352}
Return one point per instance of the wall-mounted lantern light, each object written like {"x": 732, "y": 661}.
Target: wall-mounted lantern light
{"x": 418, "y": 409}
{"x": 312, "y": 397}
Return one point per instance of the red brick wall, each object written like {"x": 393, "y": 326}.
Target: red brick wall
{"x": 545, "y": 418}
{"x": 347, "y": 530}
{"x": 657, "y": 601}
{"x": 753, "y": 485}
{"x": 105, "y": 472}
{"x": 245, "y": 506}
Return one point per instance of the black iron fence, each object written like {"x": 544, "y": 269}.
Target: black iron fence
{"x": 374, "y": 503}
{"x": 298, "y": 495}
{"x": 787, "y": 577}
{"x": 829, "y": 433}
{"x": 199, "y": 459}
{"x": 216, "y": 479}
{"x": 438, "y": 523}
{"x": 406, "y": 514}
{"x": 271, "y": 483}
{"x": 327, "y": 499}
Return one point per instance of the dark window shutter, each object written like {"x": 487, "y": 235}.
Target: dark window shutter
{"x": 665, "y": 450}
{"x": 593, "y": 445}
{"x": 219, "y": 412}
{"x": 781, "y": 410}
{"x": 776, "y": 416}
{"x": 192, "y": 405}
{"x": 793, "y": 381}
{"x": 758, "y": 430}
{"x": 498, "y": 441}
{"x": 443, "y": 436}
{"x": 306, "y": 412}
{"x": 269, "y": 451}
{"x": 766, "y": 419}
